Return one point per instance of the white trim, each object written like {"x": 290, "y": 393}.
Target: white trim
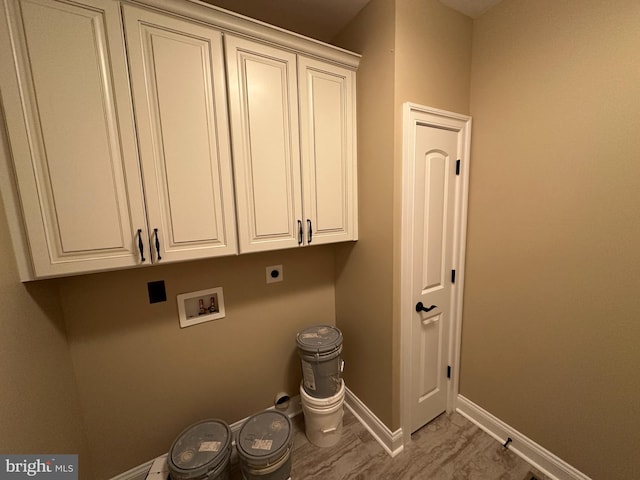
{"x": 390, "y": 441}
{"x": 140, "y": 472}
{"x": 413, "y": 115}
{"x": 541, "y": 458}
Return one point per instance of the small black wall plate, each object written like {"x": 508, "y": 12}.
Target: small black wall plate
{"x": 157, "y": 292}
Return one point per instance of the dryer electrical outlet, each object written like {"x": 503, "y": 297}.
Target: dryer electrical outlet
{"x": 275, "y": 274}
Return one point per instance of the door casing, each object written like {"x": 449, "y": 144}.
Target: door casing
{"x": 414, "y": 115}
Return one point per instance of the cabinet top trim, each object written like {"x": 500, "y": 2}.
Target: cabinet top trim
{"x": 235, "y": 23}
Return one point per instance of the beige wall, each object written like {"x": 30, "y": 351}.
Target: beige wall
{"x": 433, "y": 68}
{"x": 550, "y": 326}
{"x": 142, "y": 379}
{"x": 416, "y": 51}
{"x": 38, "y": 400}
{"x": 295, "y": 16}
{"x": 551, "y": 330}
{"x": 364, "y": 271}
{"x": 433, "y": 57}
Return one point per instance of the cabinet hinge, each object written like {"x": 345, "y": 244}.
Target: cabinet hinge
{"x": 457, "y": 167}
{"x": 453, "y": 276}
{"x": 448, "y": 371}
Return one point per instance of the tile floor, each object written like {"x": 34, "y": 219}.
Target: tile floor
{"x": 449, "y": 448}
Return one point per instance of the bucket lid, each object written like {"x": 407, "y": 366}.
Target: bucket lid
{"x": 265, "y": 437}
{"x": 319, "y": 338}
{"x": 199, "y": 449}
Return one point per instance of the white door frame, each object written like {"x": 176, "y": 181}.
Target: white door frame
{"x": 414, "y": 115}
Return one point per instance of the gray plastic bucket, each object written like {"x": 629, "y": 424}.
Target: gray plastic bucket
{"x": 264, "y": 446}
{"x": 201, "y": 452}
{"x": 320, "y": 350}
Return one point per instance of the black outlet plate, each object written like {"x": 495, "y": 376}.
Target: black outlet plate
{"x": 157, "y": 292}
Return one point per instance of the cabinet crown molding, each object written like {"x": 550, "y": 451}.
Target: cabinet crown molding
{"x": 237, "y": 24}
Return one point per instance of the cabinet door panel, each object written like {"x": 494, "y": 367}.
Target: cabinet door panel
{"x": 178, "y": 83}
{"x": 328, "y": 158}
{"x": 264, "y": 113}
{"x": 79, "y": 183}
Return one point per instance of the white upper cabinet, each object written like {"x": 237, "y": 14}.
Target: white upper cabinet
{"x": 294, "y": 176}
{"x": 65, "y": 95}
{"x": 263, "y": 101}
{"x": 179, "y": 94}
{"x": 136, "y": 133}
{"x": 327, "y": 128}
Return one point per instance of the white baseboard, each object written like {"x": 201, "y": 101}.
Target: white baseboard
{"x": 539, "y": 457}
{"x": 390, "y": 441}
{"x": 140, "y": 472}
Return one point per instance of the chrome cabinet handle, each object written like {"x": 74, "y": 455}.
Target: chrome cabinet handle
{"x": 299, "y": 232}
{"x": 309, "y": 231}
{"x": 421, "y": 308}
{"x": 141, "y": 245}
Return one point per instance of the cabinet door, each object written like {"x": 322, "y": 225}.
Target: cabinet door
{"x": 327, "y": 127}
{"x": 177, "y": 76}
{"x": 264, "y": 131}
{"x": 68, "y": 112}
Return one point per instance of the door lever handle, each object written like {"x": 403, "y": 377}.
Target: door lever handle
{"x": 421, "y": 308}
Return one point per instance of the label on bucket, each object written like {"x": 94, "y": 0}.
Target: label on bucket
{"x": 309, "y": 335}
{"x": 260, "y": 444}
{"x": 209, "y": 446}
{"x": 307, "y": 374}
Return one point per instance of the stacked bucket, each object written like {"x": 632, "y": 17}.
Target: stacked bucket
{"x": 203, "y": 451}
{"x": 322, "y": 389}
{"x": 264, "y": 442}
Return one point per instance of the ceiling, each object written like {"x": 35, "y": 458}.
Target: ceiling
{"x": 323, "y": 19}
{"x": 471, "y": 8}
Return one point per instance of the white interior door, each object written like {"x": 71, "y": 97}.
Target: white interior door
{"x": 433, "y": 240}
{"x": 435, "y": 162}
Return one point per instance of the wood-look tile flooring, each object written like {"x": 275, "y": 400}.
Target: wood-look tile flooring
{"x": 448, "y": 448}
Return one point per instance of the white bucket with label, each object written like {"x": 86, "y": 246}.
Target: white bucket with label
{"x": 264, "y": 446}
{"x": 323, "y": 417}
{"x": 320, "y": 350}
{"x": 201, "y": 452}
